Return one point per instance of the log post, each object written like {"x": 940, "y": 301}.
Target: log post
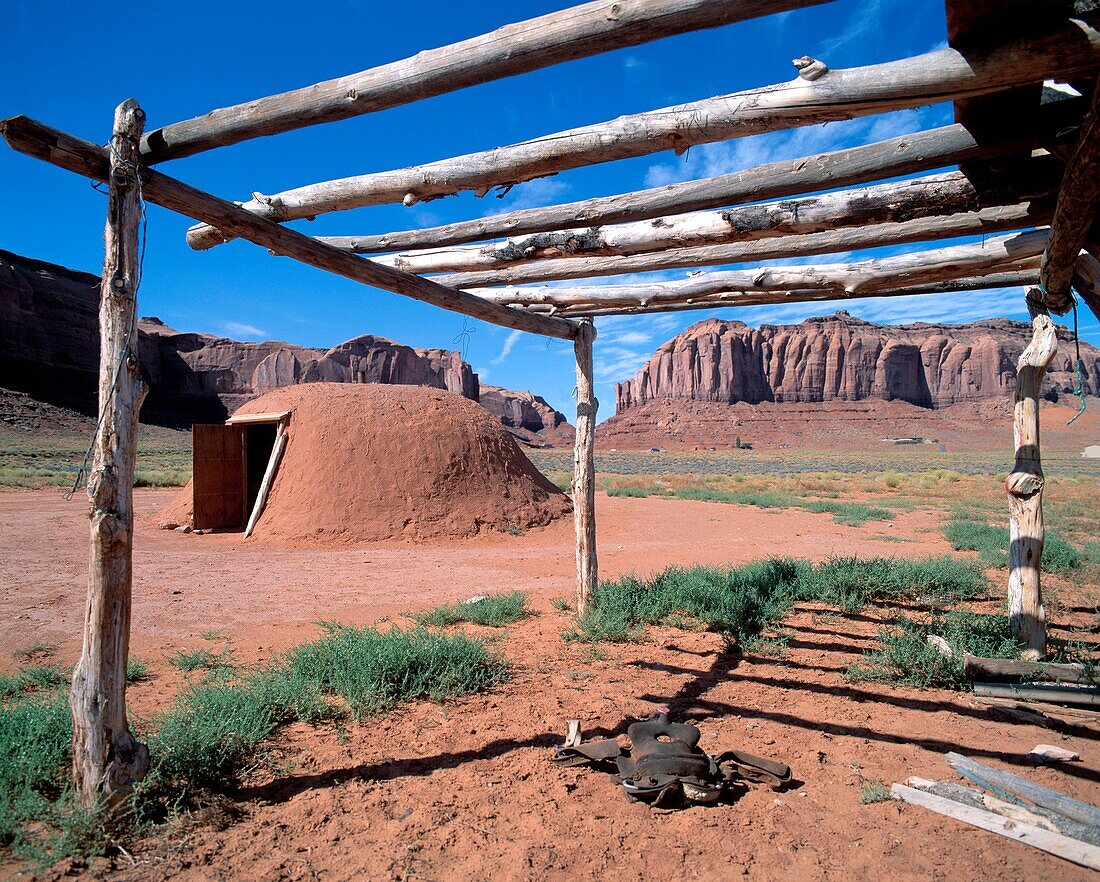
{"x": 107, "y": 759}
{"x": 584, "y": 468}
{"x": 1025, "y": 486}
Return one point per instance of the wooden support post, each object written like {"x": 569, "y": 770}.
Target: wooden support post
{"x": 584, "y": 469}
{"x": 1025, "y": 486}
{"x": 107, "y": 759}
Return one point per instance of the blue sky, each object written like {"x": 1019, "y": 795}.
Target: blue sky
{"x": 69, "y": 64}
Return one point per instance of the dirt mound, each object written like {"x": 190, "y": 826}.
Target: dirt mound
{"x": 369, "y": 462}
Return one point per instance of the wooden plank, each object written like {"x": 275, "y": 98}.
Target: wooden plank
{"x": 1079, "y": 695}
{"x": 984, "y": 222}
{"x": 893, "y": 157}
{"x": 584, "y": 470}
{"x": 976, "y": 666}
{"x": 932, "y": 197}
{"x": 245, "y": 418}
{"x": 1074, "y": 213}
{"x": 1040, "y": 707}
{"x": 90, "y": 160}
{"x": 107, "y": 759}
{"x": 217, "y": 483}
{"x": 1006, "y": 782}
{"x": 1065, "y": 847}
{"x": 265, "y": 484}
{"x": 838, "y": 95}
{"x": 577, "y": 32}
{"x": 995, "y": 255}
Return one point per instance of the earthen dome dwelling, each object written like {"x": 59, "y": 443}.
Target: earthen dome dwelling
{"x": 553, "y": 441}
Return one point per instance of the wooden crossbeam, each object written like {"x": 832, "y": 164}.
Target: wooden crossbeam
{"x": 740, "y": 299}
{"x": 92, "y": 161}
{"x": 893, "y": 157}
{"x": 934, "y": 196}
{"x": 868, "y": 278}
{"x": 988, "y": 220}
{"x": 836, "y": 95}
{"x": 577, "y": 32}
{"x": 1074, "y": 213}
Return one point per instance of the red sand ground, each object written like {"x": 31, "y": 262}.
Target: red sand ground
{"x": 346, "y": 476}
{"x": 464, "y": 789}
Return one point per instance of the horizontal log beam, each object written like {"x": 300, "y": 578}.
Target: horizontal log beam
{"x": 1013, "y": 279}
{"x": 1073, "y": 214}
{"x": 897, "y": 201}
{"x": 869, "y": 278}
{"x": 894, "y": 157}
{"x": 577, "y": 32}
{"x": 834, "y": 95}
{"x": 92, "y": 161}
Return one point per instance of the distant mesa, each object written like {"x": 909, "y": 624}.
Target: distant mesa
{"x": 49, "y": 348}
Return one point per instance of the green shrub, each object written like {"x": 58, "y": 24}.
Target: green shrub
{"x": 631, "y": 492}
{"x": 137, "y": 671}
{"x": 32, "y": 679}
{"x": 203, "y": 660}
{"x": 853, "y": 514}
{"x": 852, "y": 582}
{"x": 493, "y": 610}
{"x": 905, "y": 656}
{"x": 991, "y": 543}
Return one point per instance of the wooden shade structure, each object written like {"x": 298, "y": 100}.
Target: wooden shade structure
{"x": 1033, "y": 183}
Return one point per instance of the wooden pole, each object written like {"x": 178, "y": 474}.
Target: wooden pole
{"x": 1074, "y": 212}
{"x": 1025, "y": 486}
{"x": 79, "y": 156}
{"x": 576, "y": 32}
{"x": 584, "y": 469}
{"x": 837, "y": 95}
{"x": 107, "y": 759}
{"x": 1086, "y": 281}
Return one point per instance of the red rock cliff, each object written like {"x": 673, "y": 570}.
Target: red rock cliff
{"x": 841, "y": 358}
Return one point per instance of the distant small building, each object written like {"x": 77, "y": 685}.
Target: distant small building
{"x": 1091, "y": 452}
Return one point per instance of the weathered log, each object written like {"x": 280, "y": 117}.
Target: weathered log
{"x": 107, "y": 759}
{"x": 894, "y": 157}
{"x": 1024, "y": 486}
{"x": 84, "y": 158}
{"x": 1086, "y": 281}
{"x": 934, "y": 196}
{"x": 1085, "y": 696}
{"x": 578, "y": 32}
{"x": 838, "y": 95}
{"x": 772, "y": 298}
{"x": 1065, "y": 847}
{"x": 975, "y": 666}
{"x": 584, "y": 469}
{"x": 1074, "y": 212}
{"x": 1005, "y": 784}
{"x": 869, "y": 278}
{"x": 989, "y": 220}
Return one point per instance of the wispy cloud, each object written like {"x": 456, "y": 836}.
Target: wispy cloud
{"x": 240, "y": 329}
{"x": 506, "y": 350}
{"x": 530, "y": 194}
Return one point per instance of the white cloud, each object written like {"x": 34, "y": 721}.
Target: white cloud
{"x": 530, "y": 194}
{"x": 482, "y": 373}
{"x": 509, "y": 342}
{"x": 240, "y": 329}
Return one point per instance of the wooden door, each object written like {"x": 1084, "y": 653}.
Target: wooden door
{"x": 219, "y": 479}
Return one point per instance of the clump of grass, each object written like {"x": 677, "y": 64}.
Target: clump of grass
{"x": 493, "y": 610}
{"x": 630, "y": 492}
{"x": 905, "y": 656}
{"x": 161, "y": 477}
{"x": 38, "y": 649}
{"x": 851, "y": 513}
{"x": 745, "y": 600}
{"x": 33, "y": 678}
{"x": 991, "y": 543}
{"x": 513, "y": 530}
{"x": 137, "y": 671}
{"x": 203, "y": 660}
{"x": 872, "y": 792}
{"x": 561, "y": 604}
{"x": 771, "y": 646}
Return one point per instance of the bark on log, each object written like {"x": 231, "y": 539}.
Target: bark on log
{"x": 1025, "y": 488}
{"x": 107, "y": 759}
{"x": 838, "y": 95}
{"x": 738, "y": 299}
{"x": 976, "y": 667}
{"x": 1073, "y": 213}
{"x": 934, "y": 196}
{"x": 584, "y": 469}
{"x": 578, "y": 32}
{"x": 894, "y": 157}
{"x": 84, "y": 158}
{"x": 984, "y": 222}
{"x": 869, "y": 278}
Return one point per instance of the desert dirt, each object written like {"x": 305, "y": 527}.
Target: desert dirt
{"x": 465, "y": 789}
